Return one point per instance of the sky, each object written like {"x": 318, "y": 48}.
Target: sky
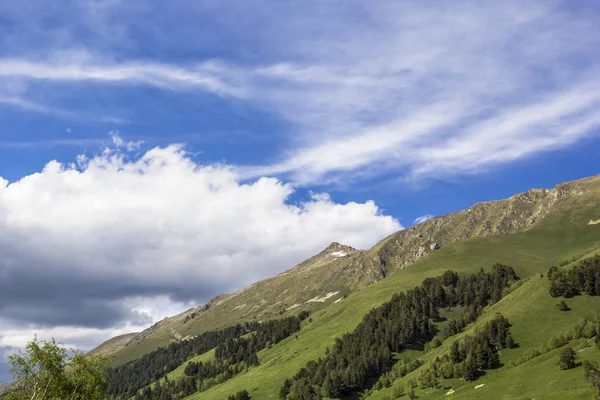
{"x": 155, "y": 154}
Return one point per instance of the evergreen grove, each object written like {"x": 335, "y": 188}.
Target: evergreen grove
{"x": 405, "y": 322}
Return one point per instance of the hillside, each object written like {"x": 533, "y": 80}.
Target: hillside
{"x": 530, "y": 232}
{"x": 564, "y": 233}
{"x": 115, "y": 344}
{"x": 339, "y": 270}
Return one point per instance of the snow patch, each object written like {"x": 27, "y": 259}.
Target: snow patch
{"x": 338, "y": 254}
{"x": 292, "y": 307}
{"x": 318, "y": 299}
{"x": 338, "y": 300}
{"x": 478, "y": 386}
{"x": 592, "y": 222}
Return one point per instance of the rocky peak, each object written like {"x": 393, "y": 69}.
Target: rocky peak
{"x": 338, "y": 250}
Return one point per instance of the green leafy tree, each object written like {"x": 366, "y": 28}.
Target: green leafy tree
{"x": 592, "y": 374}
{"x": 567, "y": 358}
{"x": 410, "y": 389}
{"x": 398, "y": 390}
{"x": 44, "y": 371}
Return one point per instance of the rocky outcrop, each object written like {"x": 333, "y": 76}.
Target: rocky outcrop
{"x": 517, "y": 213}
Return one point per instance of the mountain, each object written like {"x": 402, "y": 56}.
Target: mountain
{"x": 339, "y": 269}
{"x": 529, "y": 231}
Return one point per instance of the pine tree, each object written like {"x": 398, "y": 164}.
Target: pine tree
{"x": 329, "y": 389}
{"x": 285, "y": 389}
{"x": 562, "y": 306}
{"x": 510, "y": 342}
{"x": 469, "y": 372}
{"x": 455, "y": 352}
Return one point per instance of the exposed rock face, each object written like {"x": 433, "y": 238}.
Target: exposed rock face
{"x": 514, "y": 214}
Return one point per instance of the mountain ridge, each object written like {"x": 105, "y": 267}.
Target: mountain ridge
{"x": 328, "y": 276}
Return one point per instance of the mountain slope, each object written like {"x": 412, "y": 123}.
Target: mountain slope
{"x": 115, "y": 344}
{"x": 535, "y": 320}
{"x": 564, "y": 232}
{"x": 326, "y": 277}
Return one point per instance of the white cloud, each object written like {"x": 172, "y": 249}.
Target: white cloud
{"x": 422, "y": 218}
{"x": 428, "y": 93}
{"x": 74, "y": 67}
{"x": 22, "y": 103}
{"x": 111, "y": 241}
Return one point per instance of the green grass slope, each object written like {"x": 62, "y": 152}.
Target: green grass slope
{"x": 535, "y": 319}
{"x": 179, "y": 371}
{"x": 563, "y": 233}
{"x": 282, "y": 295}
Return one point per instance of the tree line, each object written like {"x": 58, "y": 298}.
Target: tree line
{"x": 581, "y": 278}
{"x": 232, "y": 356}
{"x": 266, "y": 335}
{"x": 126, "y": 380}
{"x": 471, "y": 355}
{"x": 405, "y": 322}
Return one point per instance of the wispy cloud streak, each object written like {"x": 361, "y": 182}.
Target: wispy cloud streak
{"x": 159, "y": 75}
{"x": 408, "y": 88}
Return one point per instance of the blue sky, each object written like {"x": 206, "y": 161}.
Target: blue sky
{"x": 227, "y": 142}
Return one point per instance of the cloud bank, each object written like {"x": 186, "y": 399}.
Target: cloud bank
{"x": 120, "y": 239}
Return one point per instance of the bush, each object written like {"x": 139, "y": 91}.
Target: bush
{"x": 567, "y": 358}
{"x": 562, "y": 306}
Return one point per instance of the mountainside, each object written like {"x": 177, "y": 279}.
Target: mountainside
{"x": 567, "y": 232}
{"x": 339, "y": 270}
{"x": 529, "y": 232}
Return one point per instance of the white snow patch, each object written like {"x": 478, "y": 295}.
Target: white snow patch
{"x": 318, "y": 299}
{"x": 292, "y": 307}
{"x": 338, "y": 300}
{"x": 338, "y": 254}
{"x": 592, "y": 222}
{"x": 478, "y": 386}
